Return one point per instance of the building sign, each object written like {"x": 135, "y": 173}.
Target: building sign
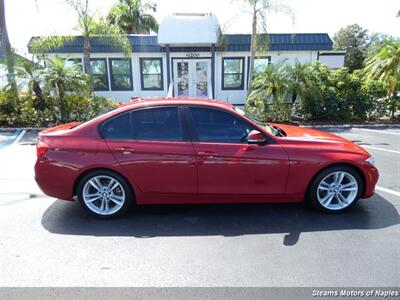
{"x": 192, "y": 54}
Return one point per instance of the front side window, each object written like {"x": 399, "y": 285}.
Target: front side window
{"x": 157, "y": 124}
{"x": 232, "y": 73}
{"x": 99, "y": 74}
{"x": 219, "y": 127}
{"x": 151, "y": 74}
{"x": 121, "y": 74}
{"x": 118, "y": 128}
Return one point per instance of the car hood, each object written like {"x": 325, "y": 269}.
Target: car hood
{"x": 315, "y": 137}
{"x": 308, "y": 133}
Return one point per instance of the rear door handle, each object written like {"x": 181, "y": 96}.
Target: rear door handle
{"x": 124, "y": 150}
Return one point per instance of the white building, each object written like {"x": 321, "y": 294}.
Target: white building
{"x": 190, "y": 57}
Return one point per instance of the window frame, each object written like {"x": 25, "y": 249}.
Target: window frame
{"x": 193, "y": 129}
{"x": 241, "y": 87}
{"x": 186, "y": 133}
{"x": 160, "y": 59}
{"x": 106, "y": 74}
{"x": 113, "y": 87}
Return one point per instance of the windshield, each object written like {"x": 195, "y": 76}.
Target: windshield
{"x": 269, "y": 128}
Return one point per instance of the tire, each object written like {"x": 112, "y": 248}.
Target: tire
{"x": 335, "y": 189}
{"x": 105, "y": 194}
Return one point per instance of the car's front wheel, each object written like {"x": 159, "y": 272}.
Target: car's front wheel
{"x": 104, "y": 194}
{"x": 335, "y": 189}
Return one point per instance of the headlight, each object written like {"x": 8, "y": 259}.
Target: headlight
{"x": 370, "y": 160}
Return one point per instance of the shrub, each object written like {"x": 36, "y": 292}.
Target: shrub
{"x": 76, "y": 107}
{"x": 322, "y": 94}
{"x": 24, "y": 112}
{"x": 99, "y": 105}
{"x": 80, "y": 108}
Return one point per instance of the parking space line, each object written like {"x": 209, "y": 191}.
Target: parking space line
{"x": 381, "y": 149}
{"x": 11, "y": 139}
{"x": 378, "y": 131}
{"x": 389, "y": 191}
{"x": 19, "y": 137}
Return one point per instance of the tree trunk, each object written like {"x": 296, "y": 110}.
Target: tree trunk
{"x": 9, "y": 58}
{"x": 39, "y": 96}
{"x": 393, "y": 105}
{"x": 86, "y": 55}
{"x": 253, "y": 48}
{"x": 62, "y": 103}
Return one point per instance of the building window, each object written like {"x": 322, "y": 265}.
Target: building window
{"x": 74, "y": 62}
{"x": 260, "y": 63}
{"x": 121, "y": 74}
{"x": 151, "y": 71}
{"x": 99, "y": 74}
{"x": 233, "y": 73}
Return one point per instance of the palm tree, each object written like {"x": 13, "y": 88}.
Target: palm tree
{"x": 88, "y": 26}
{"x": 60, "y": 78}
{"x": 270, "y": 89}
{"x": 302, "y": 82}
{"x": 259, "y": 10}
{"x": 29, "y": 72}
{"x": 384, "y": 65}
{"x": 9, "y": 56}
{"x": 134, "y": 16}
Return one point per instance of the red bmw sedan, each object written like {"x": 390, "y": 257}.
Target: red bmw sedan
{"x": 175, "y": 151}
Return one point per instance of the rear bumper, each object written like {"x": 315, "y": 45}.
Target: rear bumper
{"x": 53, "y": 181}
{"x": 371, "y": 178}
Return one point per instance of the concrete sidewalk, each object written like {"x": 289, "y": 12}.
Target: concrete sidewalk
{"x": 17, "y": 173}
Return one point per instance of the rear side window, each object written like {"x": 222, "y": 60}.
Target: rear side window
{"x": 219, "y": 127}
{"x": 157, "y": 124}
{"x": 118, "y": 128}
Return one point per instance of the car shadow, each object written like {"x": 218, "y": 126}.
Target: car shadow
{"x": 220, "y": 219}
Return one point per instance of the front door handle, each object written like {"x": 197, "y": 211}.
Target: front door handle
{"x": 209, "y": 154}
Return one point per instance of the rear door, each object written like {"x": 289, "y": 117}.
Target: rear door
{"x": 152, "y": 145}
{"x": 227, "y": 164}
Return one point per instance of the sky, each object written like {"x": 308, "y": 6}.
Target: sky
{"x": 27, "y": 18}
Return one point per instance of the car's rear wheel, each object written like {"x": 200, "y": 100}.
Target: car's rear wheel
{"x": 104, "y": 194}
{"x": 335, "y": 189}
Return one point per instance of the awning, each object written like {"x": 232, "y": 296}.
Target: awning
{"x": 188, "y": 29}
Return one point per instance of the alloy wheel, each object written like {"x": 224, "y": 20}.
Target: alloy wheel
{"x": 337, "y": 190}
{"x": 103, "y": 195}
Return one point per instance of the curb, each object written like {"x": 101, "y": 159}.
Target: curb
{"x": 21, "y": 128}
{"x": 349, "y": 126}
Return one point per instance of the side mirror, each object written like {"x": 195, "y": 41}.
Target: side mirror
{"x": 256, "y": 137}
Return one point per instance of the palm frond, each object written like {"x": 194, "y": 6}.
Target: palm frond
{"x": 112, "y": 34}
{"x": 45, "y": 44}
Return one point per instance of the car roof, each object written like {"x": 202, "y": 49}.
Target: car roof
{"x": 139, "y": 103}
{"x": 179, "y": 101}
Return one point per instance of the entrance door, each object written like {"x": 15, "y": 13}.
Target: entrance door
{"x": 192, "y": 78}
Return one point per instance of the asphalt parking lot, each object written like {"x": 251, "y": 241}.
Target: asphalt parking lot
{"x": 46, "y": 242}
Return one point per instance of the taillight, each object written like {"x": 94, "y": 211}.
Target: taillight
{"x": 41, "y": 148}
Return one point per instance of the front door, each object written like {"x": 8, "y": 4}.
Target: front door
{"x": 192, "y": 78}
{"x": 227, "y": 164}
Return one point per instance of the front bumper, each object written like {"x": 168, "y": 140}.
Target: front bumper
{"x": 371, "y": 178}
